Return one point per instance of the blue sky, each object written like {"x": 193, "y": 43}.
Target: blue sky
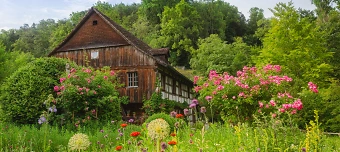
{"x": 15, "y": 13}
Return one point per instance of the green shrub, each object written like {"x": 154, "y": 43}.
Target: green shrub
{"x": 25, "y": 90}
{"x": 164, "y": 116}
{"x": 87, "y": 94}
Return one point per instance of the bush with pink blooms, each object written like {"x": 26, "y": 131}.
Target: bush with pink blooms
{"x": 87, "y": 94}
{"x": 253, "y": 91}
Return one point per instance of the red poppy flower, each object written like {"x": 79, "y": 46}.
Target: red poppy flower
{"x": 173, "y": 134}
{"x": 179, "y": 116}
{"x": 135, "y": 134}
{"x": 118, "y": 148}
{"x": 172, "y": 142}
{"x": 123, "y": 125}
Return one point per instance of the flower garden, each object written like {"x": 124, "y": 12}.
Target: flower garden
{"x": 259, "y": 109}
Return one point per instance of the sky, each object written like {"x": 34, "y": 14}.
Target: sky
{"x": 16, "y": 13}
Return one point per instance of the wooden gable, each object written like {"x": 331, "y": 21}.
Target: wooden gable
{"x": 93, "y": 33}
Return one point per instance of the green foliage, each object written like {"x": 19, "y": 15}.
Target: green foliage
{"x": 86, "y": 94}
{"x": 180, "y": 31}
{"x": 327, "y": 103}
{"x": 25, "y": 91}
{"x": 214, "y": 54}
{"x": 170, "y": 120}
{"x": 294, "y": 43}
{"x": 11, "y": 61}
{"x": 157, "y": 104}
{"x": 153, "y": 9}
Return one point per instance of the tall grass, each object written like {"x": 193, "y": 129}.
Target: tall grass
{"x": 215, "y": 137}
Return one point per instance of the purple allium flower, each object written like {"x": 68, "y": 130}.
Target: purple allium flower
{"x": 164, "y": 145}
{"x": 173, "y": 114}
{"x": 186, "y": 112}
{"x": 119, "y": 130}
{"x": 98, "y": 142}
{"x": 203, "y": 110}
{"x": 101, "y": 130}
{"x": 303, "y": 149}
{"x": 194, "y": 101}
{"x": 192, "y": 105}
{"x": 120, "y": 134}
{"x": 130, "y": 120}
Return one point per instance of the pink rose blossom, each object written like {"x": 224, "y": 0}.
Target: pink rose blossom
{"x": 112, "y": 73}
{"x": 260, "y": 104}
{"x": 208, "y": 98}
{"x": 62, "y": 80}
{"x": 105, "y": 77}
{"x": 274, "y": 115}
{"x": 272, "y": 102}
{"x": 313, "y": 87}
{"x": 56, "y": 88}
{"x": 196, "y": 79}
{"x": 282, "y": 110}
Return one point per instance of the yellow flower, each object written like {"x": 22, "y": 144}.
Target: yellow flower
{"x": 158, "y": 129}
{"x": 79, "y": 142}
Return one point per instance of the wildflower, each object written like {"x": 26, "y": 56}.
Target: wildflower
{"x": 120, "y": 134}
{"x": 119, "y": 148}
{"x": 194, "y": 101}
{"x": 203, "y": 110}
{"x": 164, "y": 146}
{"x": 173, "y": 114}
{"x": 105, "y": 77}
{"x": 130, "y": 120}
{"x": 303, "y": 149}
{"x": 135, "y": 134}
{"x": 186, "y": 112}
{"x": 106, "y": 136}
{"x": 52, "y": 109}
{"x": 41, "y": 120}
{"x": 56, "y": 88}
{"x": 267, "y": 106}
{"x": 79, "y": 142}
{"x": 129, "y": 142}
{"x": 123, "y": 125}
{"x": 293, "y": 112}
{"x": 192, "y": 105}
{"x": 208, "y": 98}
{"x": 179, "y": 116}
{"x": 173, "y": 134}
{"x": 158, "y": 129}
{"x": 172, "y": 142}
{"x": 101, "y": 130}
{"x": 220, "y": 87}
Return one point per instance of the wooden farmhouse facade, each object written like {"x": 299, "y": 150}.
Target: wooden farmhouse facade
{"x": 98, "y": 41}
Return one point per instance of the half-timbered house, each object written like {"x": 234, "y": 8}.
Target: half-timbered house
{"x": 98, "y": 41}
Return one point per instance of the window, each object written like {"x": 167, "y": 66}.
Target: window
{"x": 184, "y": 90}
{"x": 177, "y": 88}
{"x": 132, "y": 79}
{"x": 168, "y": 84}
{"x": 95, "y": 22}
{"x": 94, "y": 54}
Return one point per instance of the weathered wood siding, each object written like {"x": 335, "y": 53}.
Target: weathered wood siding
{"x": 122, "y": 59}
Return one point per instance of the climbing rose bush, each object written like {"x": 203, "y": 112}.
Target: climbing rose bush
{"x": 87, "y": 94}
{"x": 253, "y": 90}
